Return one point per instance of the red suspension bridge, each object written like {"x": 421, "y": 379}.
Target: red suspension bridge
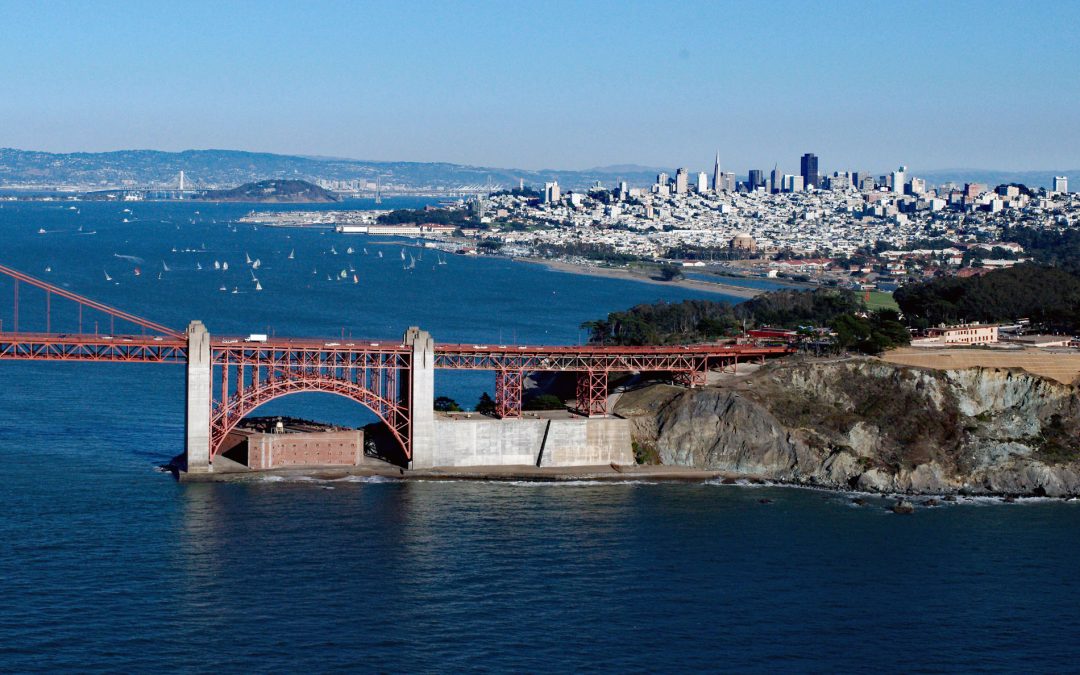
{"x": 229, "y": 377}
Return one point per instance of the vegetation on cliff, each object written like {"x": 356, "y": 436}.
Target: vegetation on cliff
{"x": 1048, "y": 296}
{"x": 705, "y": 320}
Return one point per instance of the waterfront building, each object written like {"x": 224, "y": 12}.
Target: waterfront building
{"x": 1061, "y": 184}
{"x": 809, "y": 170}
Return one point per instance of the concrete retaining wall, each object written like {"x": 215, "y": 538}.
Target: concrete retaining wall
{"x": 529, "y": 442}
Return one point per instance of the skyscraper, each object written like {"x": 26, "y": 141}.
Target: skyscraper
{"x": 702, "y": 182}
{"x": 755, "y": 179}
{"x": 899, "y": 178}
{"x": 716, "y": 173}
{"x": 1061, "y": 184}
{"x": 810, "y": 170}
{"x": 776, "y": 180}
{"x": 682, "y": 182}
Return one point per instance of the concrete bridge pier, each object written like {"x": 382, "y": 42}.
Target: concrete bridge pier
{"x": 199, "y": 368}
{"x": 422, "y": 398}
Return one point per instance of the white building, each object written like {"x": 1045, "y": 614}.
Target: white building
{"x": 899, "y": 178}
{"x": 552, "y": 193}
{"x": 958, "y": 336}
{"x": 1061, "y": 184}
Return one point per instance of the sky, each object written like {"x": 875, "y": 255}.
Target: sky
{"x": 519, "y": 84}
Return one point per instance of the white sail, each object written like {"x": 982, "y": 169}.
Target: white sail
{"x": 247, "y": 258}
{"x": 292, "y": 254}
{"x": 225, "y": 266}
{"x": 257, "y": 264}
{"x": 107, "y": 277}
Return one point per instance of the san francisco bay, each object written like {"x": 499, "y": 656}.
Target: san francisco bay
{"x": 110, "y": 565}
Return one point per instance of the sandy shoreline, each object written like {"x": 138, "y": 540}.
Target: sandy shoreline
{"x": 633, "y": 275}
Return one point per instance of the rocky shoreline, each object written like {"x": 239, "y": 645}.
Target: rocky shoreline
{"x": 864, "y": 425}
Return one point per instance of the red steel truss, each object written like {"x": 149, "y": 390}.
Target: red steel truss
{"x": 508, "y": 393}
{"x": 129, "y": 349}
{"x": 592, "y": 391}
{"x": 250, "y": 375}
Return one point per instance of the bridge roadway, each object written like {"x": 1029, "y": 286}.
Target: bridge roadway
{"x": 167, "y": 349}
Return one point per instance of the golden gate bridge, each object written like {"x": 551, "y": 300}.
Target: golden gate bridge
{"x": 228, "y": 377}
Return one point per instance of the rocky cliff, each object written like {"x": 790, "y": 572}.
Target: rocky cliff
{"x": 869, "y": 425}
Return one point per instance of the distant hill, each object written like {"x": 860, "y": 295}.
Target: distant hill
{"x": 227, "y": 168}
{"x": 282, "y": 191}
{"x": 993, "y": 178}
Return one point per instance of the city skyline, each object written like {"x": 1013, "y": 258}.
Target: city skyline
{"x": 564, "y": 87}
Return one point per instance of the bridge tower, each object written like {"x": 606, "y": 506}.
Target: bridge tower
{"x": 421, "y": 398}
{"x": 199, "y": 392}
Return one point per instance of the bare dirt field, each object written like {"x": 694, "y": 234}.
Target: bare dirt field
{"x": 1063, "y": 366}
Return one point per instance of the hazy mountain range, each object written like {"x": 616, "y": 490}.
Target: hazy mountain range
{"x": 228, "y": 168}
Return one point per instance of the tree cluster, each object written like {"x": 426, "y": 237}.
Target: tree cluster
{"x": 1048, "y": 296}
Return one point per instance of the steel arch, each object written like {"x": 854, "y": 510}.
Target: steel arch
{"x": 228, "y": 414}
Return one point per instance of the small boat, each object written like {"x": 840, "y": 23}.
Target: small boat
{"x": 258, "y": 286}
{"x": 380, "y": 254}
{"x": 253, "y": 277}
{"x": 235, "y": 290}
{"x": 107, "y": 277}
{"x": 365, "y": 251}
{"x": 224, "y": 267}
{"x": 344, "y": 274}
{"x": 257, "y": 264}
{"x": 164, "y": 266}
{"x": 41, "y": 230}
{"x": 350, "y": 250}
{"x": 292, "y": 254}
{"x": 247, "y": 258}
{"x": 217, "y": 265}
{"x": 159, "y": 275}
{"x": 48, "y": 268}
{"x": 138, "y": 272}
{"x": 333, "y": 251}
{"x": 198, "y": 266}
{"x": 355, "y": 279}
{"x": 402, "y": 254}
{"x": 223, "y": 288}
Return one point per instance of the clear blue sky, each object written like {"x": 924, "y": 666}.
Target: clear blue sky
{"x": 865, "y": 85}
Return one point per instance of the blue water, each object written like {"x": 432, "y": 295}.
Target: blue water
{"x": 108, "y": 565}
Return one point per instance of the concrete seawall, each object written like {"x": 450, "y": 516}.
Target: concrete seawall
{"x": 484, "y": 441}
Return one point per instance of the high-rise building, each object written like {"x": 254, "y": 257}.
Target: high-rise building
{"x": 702, "y": 182}
{"x": 1061, "y": 184}
{"x": 727, "y": 181}
{"x": 840, "y": 180}
{"x": 776, "y": 180}
{"x": 809, "y": 170}
{"x": 716, "y": 173}
{"x": 682, "y": 182}
{"x": 899, "y": 179}
{"x": 755, "y": 179}
{"x": 551, "y": 192}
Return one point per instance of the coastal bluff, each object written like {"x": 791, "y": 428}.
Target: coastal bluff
{"x": 864, "y": 424}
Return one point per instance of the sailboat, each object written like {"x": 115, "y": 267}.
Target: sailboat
{"x": 344, "y": 274}
{"x": 258, "y": 286}
{"x": 223, "y": 289}
{"x": 247, "y": 258}
{"x": 225, "y": 267}
{"x": 198, "y": 265}
{"x": 402, "y": 254}
{"x": 159, "y": 275}
{"x": 253, "y": 278}
{"x": 138, "y": 271}
{"x": 365, "y": 251}
{"x": 257, "y": 264}
{"x": 41, "y": 230}
{"x": 350, "y": 250}
{"x": 333, "y": 251}
{"x": 355, "y": 279}
{"x": 107, "y": 277}
{"x": 48, "y": 268}
{"x": 292, "y": 254}
{"x": 217, "y": 265}
{"x": 235, "y": 290}
{"x": 380, "y": 254}
{"x": 164, "y": 267}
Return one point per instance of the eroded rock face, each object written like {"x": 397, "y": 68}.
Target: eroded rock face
{"x": 874, "y": 426}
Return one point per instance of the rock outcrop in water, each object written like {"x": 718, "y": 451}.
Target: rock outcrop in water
{"x": 869, "y": 425}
